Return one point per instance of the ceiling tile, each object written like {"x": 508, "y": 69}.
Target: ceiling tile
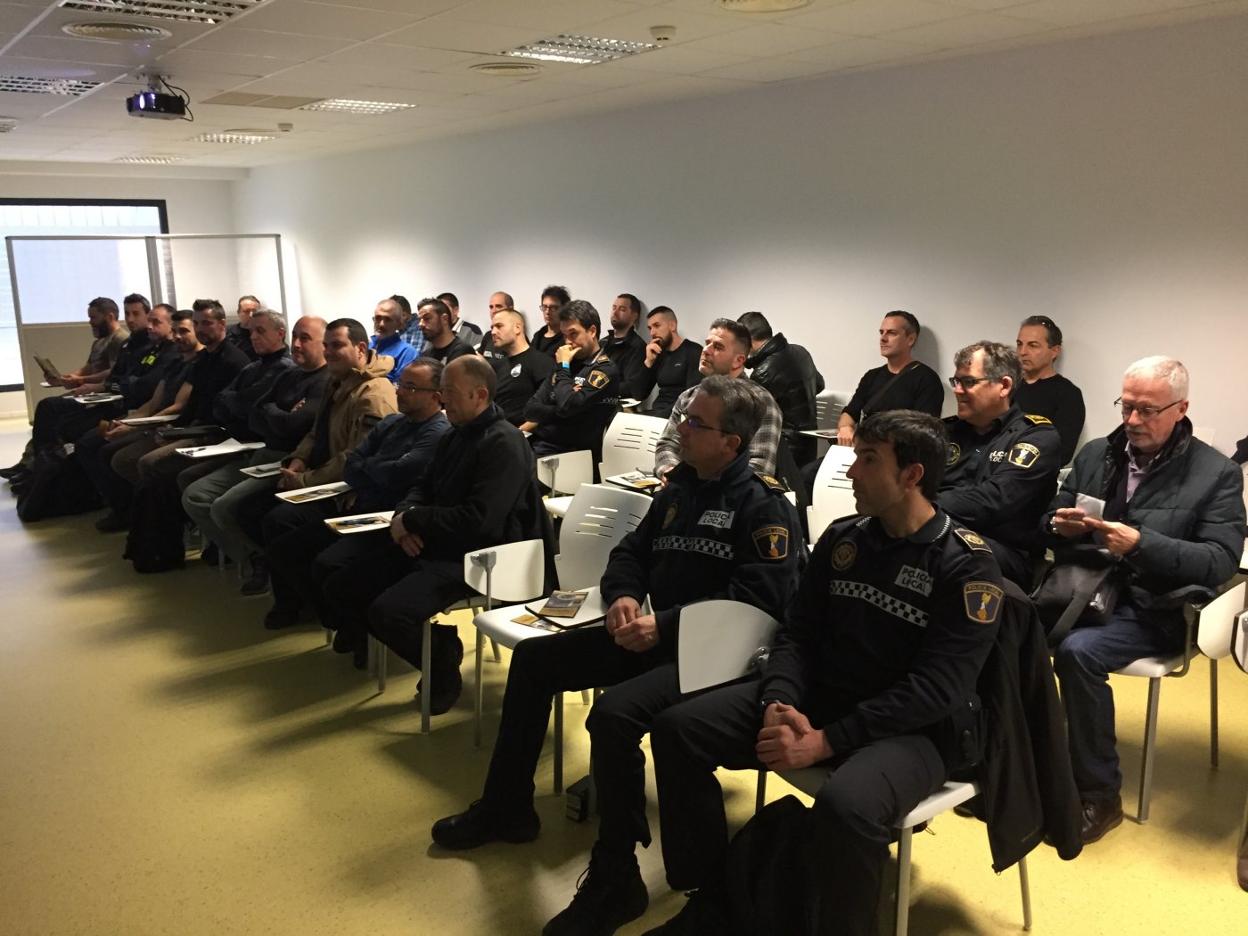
{"x": 398, "y": 57}
{"x": 415, "y": 8}
{"x": 689, "y": 24}
{"x": 968, "y": 30}
{"x": 446, "y": 32}
{"x": 768, "y": 70}
{"x": 983, "y": 4}
{"x": 13, "y": 18}
{"x": 268, "y": 44}
{"x": 546, "y": 16}
{"x": 676, "y": 60}
{"x": 1076, "y": 12}
{"x": 299, "y": 17}
{"x": 764, "y": 41}
{"x": 851, "y": 53}
{"x": 872, "y": 17}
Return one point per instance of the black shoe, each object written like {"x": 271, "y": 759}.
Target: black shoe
{"x": 1099, "y": 817}
{"x": 447, "y": 687}
{"x": 609, "y": 894}
{"x": 359, "y": 656}
{"x": 257, "y": 581}
{"x": 704, "y": 912}
{"x": 448, "y": 655}
{"x": 211, "y": 555}
{"x": 281, "y": 617}
{"x": 112, "y": 522}
{"x": 479, "y": 824}
{"x": 345, "y": 641}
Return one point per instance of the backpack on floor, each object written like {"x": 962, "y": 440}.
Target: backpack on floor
{"x": 56, "y": 487}
{"x": 155, "y": 542}
{"x": 767, "y": 872}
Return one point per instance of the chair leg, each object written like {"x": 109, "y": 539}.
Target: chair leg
{"x": 1213, "y": 713}
{"x": 498, "y": 657}
{"x": 329, "y": 637}
{"x": 903, "y": 883}
{"x": 558, "y": 743}
{"x": 1150, "y": 741}
{"x": 372, "y": 655}
{"x": 426, "y": 683}
{"x": 760, "y": 797}
{"x": 584, "y": 697}
{"x": 1024, "y": 882}
{"x": 479, "y": 694}
{"x": 383, "y": 657}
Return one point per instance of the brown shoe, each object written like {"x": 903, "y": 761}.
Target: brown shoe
{"x": 1099, "y": 817}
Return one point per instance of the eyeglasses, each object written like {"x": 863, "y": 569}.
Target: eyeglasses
{"x": 412, "y": 389}
{"x": 1144, "y": 412}
{"x": 966, "y": 383}
{"x": 694, "y": 423}
{"x": 551, "y": 308}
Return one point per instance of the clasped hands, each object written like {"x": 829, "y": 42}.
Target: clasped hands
{"x": 629, "y": 628}
{"x": 411, "y": 543}
{"x": 788, "y": 741}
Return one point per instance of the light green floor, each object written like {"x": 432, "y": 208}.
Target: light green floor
{"x": 170, "y": 767}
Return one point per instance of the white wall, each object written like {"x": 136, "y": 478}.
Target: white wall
{"x": 1102, "y": 182}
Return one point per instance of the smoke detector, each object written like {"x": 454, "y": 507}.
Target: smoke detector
{"x": 507, "y": 69}
{"x": 116, "y": 32}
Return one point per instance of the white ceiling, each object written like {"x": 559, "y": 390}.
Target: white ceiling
{"x": 420, "y": 52}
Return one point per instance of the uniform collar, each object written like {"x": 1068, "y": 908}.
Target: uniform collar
{"x": 996, "y": 425}
{"x": 929, "y": 532}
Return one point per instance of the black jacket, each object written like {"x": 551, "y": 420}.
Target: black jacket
{"x": 286, "y": 414}
{"x": 233, "y": 406}
{"x": 735, "y": 536}
{"x": 629, "y": 356}
{"x": 482, "y": 491}
{"x": 1188, "y": 507}
{"x": 574, "y": 407}
{"x": 210, "y": 373}
{"x": 789, "y": 374}
{"x": 392, "y": 459}
{"x": 140, "y": 368}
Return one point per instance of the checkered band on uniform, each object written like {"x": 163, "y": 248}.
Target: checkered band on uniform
{"x": 882, "y": 600}
{"x": 694, "y": 544}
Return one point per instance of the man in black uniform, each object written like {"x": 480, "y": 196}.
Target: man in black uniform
{"x": 874, "y": 672}
{"x": 671, "y": 362}
{"x": 624, "y": 346}
{"x": 521, "y": 370}
{"x": 572, "y": 409}
{"x": 1043, "y": 391}
{"x": 1002, "y": 467}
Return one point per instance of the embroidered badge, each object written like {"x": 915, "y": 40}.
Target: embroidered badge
{"x": 774, "y": 483}
{"x": 597, "y": 379}
{"x": 1024, "y": 454}
{"x": 955, "y": 452}
{"x": 720, "y": 519}
{"x": 843, "y": 556}
{"x": 1038, "y": 420}
{"x": 972, "y": 539}
{"x": 982, "y": 600}
{"x": 669, "y": 516}
{"x": 915, "y": 580}
{"x": 772, "y": 542}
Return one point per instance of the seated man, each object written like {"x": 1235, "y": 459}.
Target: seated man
{"x": 624, "y": 346}
{"x": 521, "y": 370}
{"x": 549, "y": 339}
{"x": 671, "y": 362}
{"x": 727, "y": 346}
{"x": 441, "y": 342}
{"x": 464, "y": 330}
{"x": 1043, "y": 391}
{"x": 788, "y": 373}
{"x": 239, "y": 334}
{"x": 716, "y": 531}
{"x": 387, "y": 337}
{"x": 481, "y": 491}
{"x": 1174, "y": 515}
{"x": 873, "y": 672}
{"x": 1002, "y": 467}
{"x": 572, "y": 410}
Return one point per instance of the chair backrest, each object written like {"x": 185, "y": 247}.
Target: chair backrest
{"x": 509, "y": 572}
{"x": 629, "y": 443}
{"x": 599, "y": 516}
{"x": 836, "y": 503}
{"x": 1217, "y": 619}
{"x": 719, "y": 641}
{"x": 567, "y": 471}
{"x": 828, "y": 406}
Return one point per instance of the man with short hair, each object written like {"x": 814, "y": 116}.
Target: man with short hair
{"x": 671, "y": 362}
{"x": 239, "y": 334}
{"x": 724, "y": 354}
{"x": 410, "y": 331}
{"x": 135, "y": 307}
{"x": 1002, "y": 465}
{"x": 441, "y": 342}
{"x": 546, "y": 340}
{"x": 1043, "y": 391}
{"x": 480, "y": 492}
{"x": 109, "y": 336}
{"x": 716, "y": 531}
{"x": 900, "y": 382}
{"x": 467, "y": 332}
{"x": 485, "y": 343}
{"x": 624, "y": 346}
{"x": 873, "y": 674}
{"x": 1173, "y": 519}
{"x": 387, "y": 340}
{"x": 788, "y": 373}
{"x": 521, "y": 370}
{"x": 572, "y": 409}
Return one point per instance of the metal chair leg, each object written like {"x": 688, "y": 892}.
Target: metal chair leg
{"x": 479, "y": 695}
{"x": 584, "y": 697}
{"x": 1150, "y": 741}
{"x": 426, "y": 683}
{"x": 498, "y": 657}
{"x": 1213, "y": 713}
{"x": 903, "y": 883}
{"x": 1024, "y": 882}
{"x": 383, "y": 654}
{"x": 329, "y": 637}
{"x": 371, "y": 643}
{"x": 760, "y": 796}
{"x": 558, "y": 743}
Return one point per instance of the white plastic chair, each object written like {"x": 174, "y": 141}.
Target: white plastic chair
{"x": 1212, "y": 626}
{"x": 629, "y": 443}
{"x": 828, "y": 408}
{"x": 564, "y": 473}
{"x": 599, "y": 517}
{"x": 953, "y": 793}
{"x": 720, "y": 640}
{"x": 833, "y": 494}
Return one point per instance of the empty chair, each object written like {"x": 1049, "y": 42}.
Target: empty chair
{"x": 833, "y": 495}
{"x": 629, "y": 444}
{"x": 563, "y": 474}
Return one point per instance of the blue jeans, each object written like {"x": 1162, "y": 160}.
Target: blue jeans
{"x": 1083, "y": 663}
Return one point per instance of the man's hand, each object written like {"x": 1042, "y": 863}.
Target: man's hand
{"x": 565, "y": 353}
{"x": 638, "y": 635}
{"x": 622, "y": 611}
{"x": 653, "y": 350}
{"x": 788, "y": 741}
{"x": 69, "y": 381}
{"x": 662, "y": 473}
{"x": 297, "y": 464}
{"x": 1070, "y": 522}
{"x": 411, "y": 543}
{"x": 289, "y": 480}
{"x": 117, "y": 431}
{"x": 844, "y": 435}
{"x": 1118, "y": 538}
{"x": 528, "y": 426}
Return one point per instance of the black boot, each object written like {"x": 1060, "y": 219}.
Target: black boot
{"x": 609, "y": 894}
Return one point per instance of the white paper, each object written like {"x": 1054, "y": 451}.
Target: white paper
{"x": 263, "y": 471}
{"x": 91, "y": 399}
{"x": 1091, "y": 506}
{"x": 228, "y": 447}
{"x": 360, "y": 523}
{"x": 148, "y": 420}
{"x": 314, "y": 493}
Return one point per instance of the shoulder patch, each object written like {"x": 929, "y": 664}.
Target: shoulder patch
{"x": 982, "y": 601}
{"x": 1023, "y": 454}
{"x": 955, "y": 452}
{"x": 1038, "y": 420}
{"x": 668, "y": 517}
{"x": 772, "y": 542}
{"x": 774, "y": 483}
{"x": 972, "y": 539}
{"x": 844, "y": 555}
{"x": 597, "y": 379}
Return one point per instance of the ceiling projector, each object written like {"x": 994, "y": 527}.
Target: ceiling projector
{"x": 156, "y": 105}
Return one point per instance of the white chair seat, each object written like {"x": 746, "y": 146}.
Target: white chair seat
{"x": 499, "y": 625}
{"x": 1152, "y": 667}
{"x": 557, "y": 507}
{"x": 953, "y": 793}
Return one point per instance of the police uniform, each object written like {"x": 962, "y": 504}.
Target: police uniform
{"x": 881, "y": 649}
{"x": 574, "y": 407}
{"x": 734, "y": 536}
{"x": 999, "y": 483}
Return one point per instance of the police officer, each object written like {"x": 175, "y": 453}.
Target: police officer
{"x": 571, "y": 410}
{"x": 716, "y": 530}
{"x": 1002, "y": 464}
{"x": 874, "y": 672}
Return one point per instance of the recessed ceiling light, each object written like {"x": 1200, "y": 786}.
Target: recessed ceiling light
{"x": 580, "y": 50}
{"x": 762, "y": 6}
{"x": 115, "y": 32}
{"x": 152, "y": 160}
{"x": 348, "y": 106}
{"x": 209, "y": 12}
{"x": 7, "y": 124}
{"x": 507, "y": 69}
{"x": 236, "y": 136}
{"x": 28, "y": 84}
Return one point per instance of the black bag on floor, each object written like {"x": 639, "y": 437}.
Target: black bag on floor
{"x": 55, "y": 487}
{"x": 155, "y": 542}
{"x": 768, "y": 893}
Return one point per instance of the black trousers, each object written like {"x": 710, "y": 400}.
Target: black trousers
{"x": 294, "y": 534}
{"x": 540, "y": 668}
{"x": 59, "y": 419}
{"x": 866, "y": 792}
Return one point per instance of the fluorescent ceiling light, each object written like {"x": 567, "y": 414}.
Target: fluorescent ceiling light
{"x": 236, "y": 136}
{"x": 153, "y": 160}
{"x": 580, "y": 50}
{"x": 209, "y": 12}
{"x": 348, "y": 106}
{"x": 28, "y": 85}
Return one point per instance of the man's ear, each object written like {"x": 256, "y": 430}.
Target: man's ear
{"x": 912, "y": 475}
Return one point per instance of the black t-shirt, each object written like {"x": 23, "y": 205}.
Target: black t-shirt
{"x": 917, "y": 387}
{"x": 1061, "y": 402}
{"x": 211, "y": 373}
{"x": 543, "y": 345}
{"x": 457, "y": 348}
{"x": 519, "y": 376}
{"x": 674, "y": 372}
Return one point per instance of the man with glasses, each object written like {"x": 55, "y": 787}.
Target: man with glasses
{"x": 1172, "y": 516}
{"x": 1043, "y": 391}
{"x": 1002, "y": 466}
{"x": 546, "y": 340}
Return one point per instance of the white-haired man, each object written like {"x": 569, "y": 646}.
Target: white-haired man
{"x": 1173, "y": 517}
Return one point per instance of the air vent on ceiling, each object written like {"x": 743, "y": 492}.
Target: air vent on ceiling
{"x": 154, "y": 159}
{"x": 115, "y": 32}
{"x": 348, "y": 106}
{"x": 26, "y": 84}
{"x": 8, "y": 124}
{"x": 251, "y": 99}
{"x": 245, "y": 136}
{"x": 580, "y": 50}
{"x": 762, "y": 6}
{"x": 507, "y": 69}
{"x": 209, "y": 12}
